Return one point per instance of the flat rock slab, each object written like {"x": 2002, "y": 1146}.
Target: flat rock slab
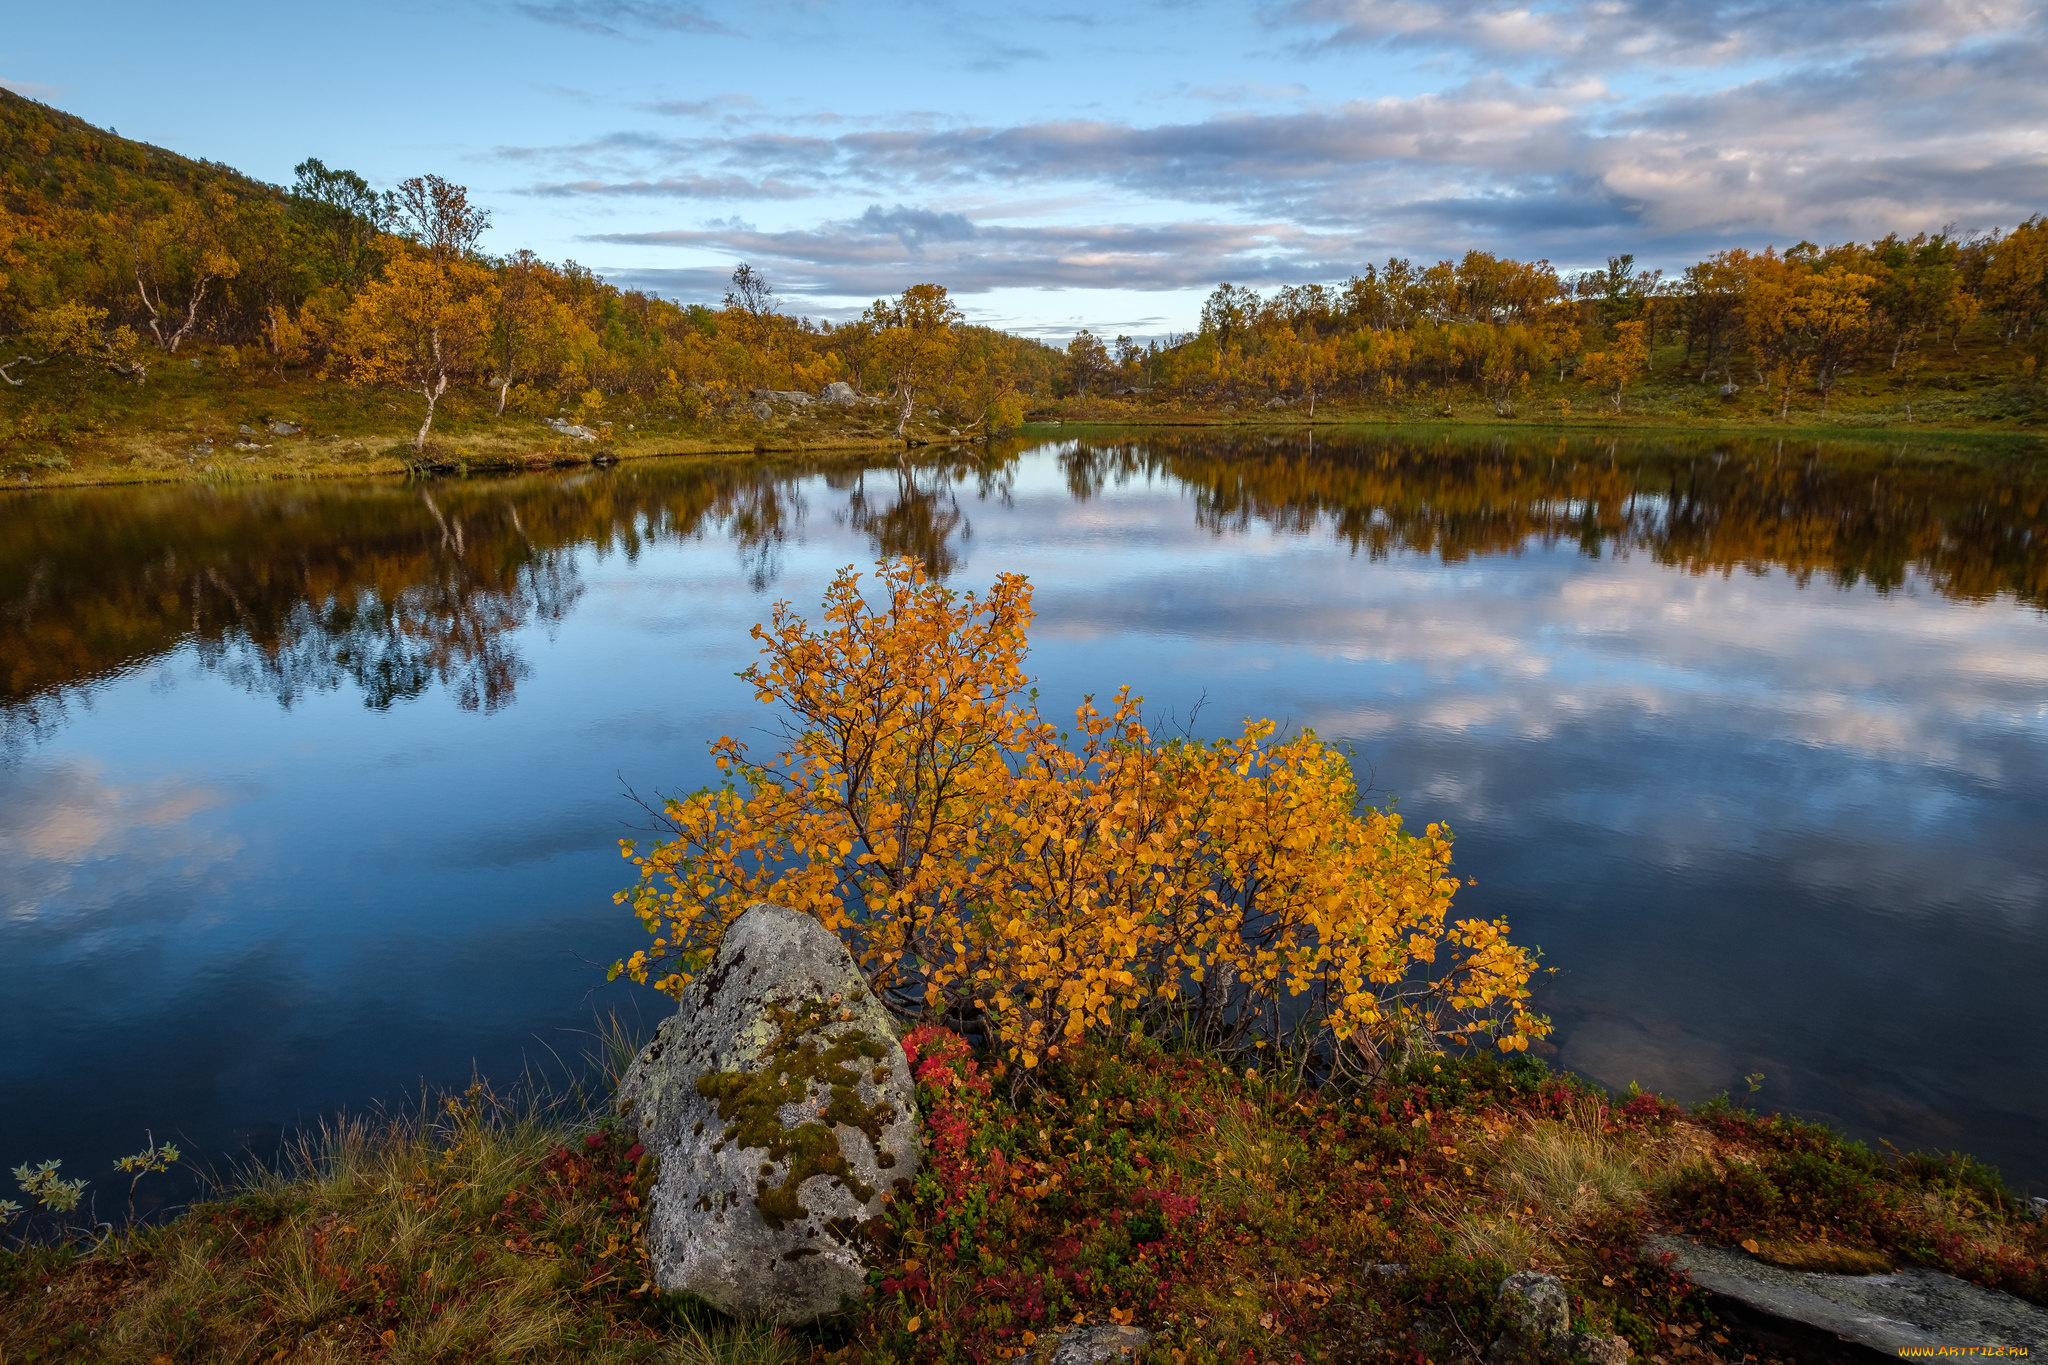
{"x": 1907, "y": 1308}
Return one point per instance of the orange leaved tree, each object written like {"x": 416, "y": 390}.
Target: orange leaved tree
{"x": 985, "y": 869}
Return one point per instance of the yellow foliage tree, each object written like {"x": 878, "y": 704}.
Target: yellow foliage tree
{"x": 914, "y": 342}
{"x": 1834, "y": 314}
{"x": 78, "y": 330}
{"x": 1627, "y": 359}
{"x": 981, "y": 868}
{"x": 423, "y": 325}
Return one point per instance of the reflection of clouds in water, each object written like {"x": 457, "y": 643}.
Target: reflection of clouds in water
{"x": 1895, "y": 677}
{"x": 70, "y": 840}
{"x": 1872, "y": 750}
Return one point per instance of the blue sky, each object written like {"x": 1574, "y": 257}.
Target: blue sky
{"x": 1064, "y": 164}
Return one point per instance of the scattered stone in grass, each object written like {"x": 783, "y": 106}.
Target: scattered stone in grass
{"x": 1535, "y": 1314}
{"x": 569, "y": 429}
{"x": 1096, "y": 1345}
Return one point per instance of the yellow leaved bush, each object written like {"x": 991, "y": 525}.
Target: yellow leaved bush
{"x": 984, "y": 867}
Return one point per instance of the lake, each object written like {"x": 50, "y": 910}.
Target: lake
{"x": 311, "y": 793}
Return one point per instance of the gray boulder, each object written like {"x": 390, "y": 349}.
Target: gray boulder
{"x": 562, "y": 427}
{"x": 838, "y": 394}
{"x": 779, "y": 1110}
{"x": 284, "y": 429}
{"x": 789, "y": 398}
{"x": 1600, "y": 1350}
{"x": 761, "y": 411}
{"x": 1535, "y": 1314}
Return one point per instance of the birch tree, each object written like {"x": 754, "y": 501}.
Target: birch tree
{"x": 423, "y": 325}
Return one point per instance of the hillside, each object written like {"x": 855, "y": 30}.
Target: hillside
{"x": 159, "y": 311}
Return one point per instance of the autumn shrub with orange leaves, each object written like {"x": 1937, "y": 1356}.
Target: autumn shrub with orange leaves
{"x": 987, "y": 869}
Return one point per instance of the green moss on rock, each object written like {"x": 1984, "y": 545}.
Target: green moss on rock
{"x": 751, "y": 1102}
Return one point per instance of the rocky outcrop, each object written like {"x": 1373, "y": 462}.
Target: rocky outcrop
{"x": 1887, "y": 1313}
{"x": 788, "y": 398}
{"x": 1536, "y": 1326}
{"x": 779, "y": 1109}
{"x": 283, "y": 429}
{"x": 569, "y": 429}
{"x": 839, "y": 394}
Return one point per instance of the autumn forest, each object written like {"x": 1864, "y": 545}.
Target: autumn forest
{"x": 143, "y": 291}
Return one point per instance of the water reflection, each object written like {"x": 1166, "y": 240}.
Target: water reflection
{"x": 390, "y": 590}
{"x": 315, "y": 790}
{"x": 1847, "y": 514}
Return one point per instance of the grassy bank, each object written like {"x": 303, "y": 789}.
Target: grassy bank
{"x": 195, "y": 420}
{"x": 207, "y": 416}
{"x": 1236, "y": 1215}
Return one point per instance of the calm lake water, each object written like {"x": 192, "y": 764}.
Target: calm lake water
{"x": 310, "y": 793}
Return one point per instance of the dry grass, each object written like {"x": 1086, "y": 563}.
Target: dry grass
{"x": 1550, "y": 1177}
{"x": 486, "y": 1231}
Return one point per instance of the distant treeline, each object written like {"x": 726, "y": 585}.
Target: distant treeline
{"x": 114, "y": 254}
{"x": 1802, "y": 317}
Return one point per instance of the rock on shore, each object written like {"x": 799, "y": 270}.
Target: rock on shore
{"x": 779, "y": 1108}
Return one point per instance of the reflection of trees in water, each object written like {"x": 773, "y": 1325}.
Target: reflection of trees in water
{"x": 760, "y": 517}
{"x": 393, "y": 590}
{"x": 451, "y": 629}
{"x": 388, "y": 589}
{"x": 439, "y": 607}
{"x": 1846, "y": 515}
{"x": 912, "y": 510}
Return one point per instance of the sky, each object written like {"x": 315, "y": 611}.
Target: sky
{"x": 1064, "y": 165}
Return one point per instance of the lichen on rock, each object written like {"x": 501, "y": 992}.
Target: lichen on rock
{"x": 751, "y": 1102}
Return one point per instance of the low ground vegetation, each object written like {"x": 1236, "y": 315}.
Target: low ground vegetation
{"x": 1238, "y": 1215}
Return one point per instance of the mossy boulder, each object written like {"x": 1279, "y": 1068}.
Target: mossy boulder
{"x": 780, "y": 1110}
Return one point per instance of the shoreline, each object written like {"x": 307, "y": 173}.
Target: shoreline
{"x": 307, "y": 459}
